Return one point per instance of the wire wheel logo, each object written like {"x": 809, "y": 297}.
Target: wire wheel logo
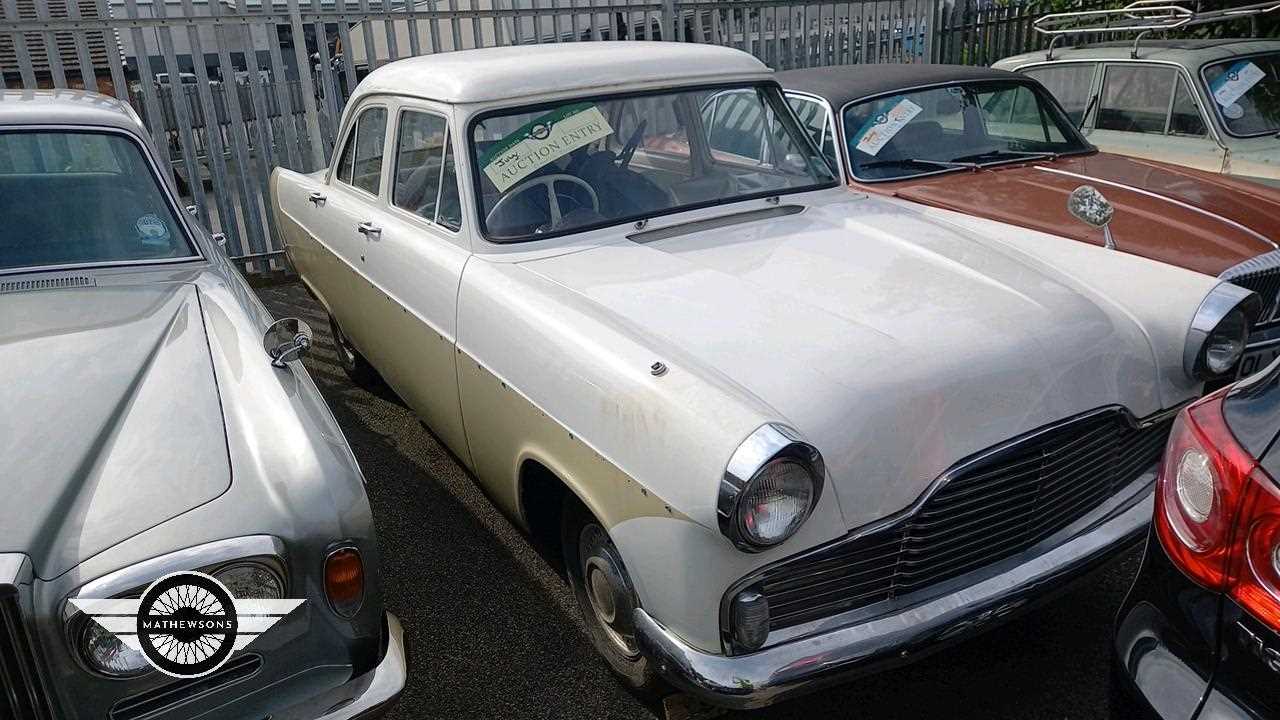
{"x": 187, "y": 624}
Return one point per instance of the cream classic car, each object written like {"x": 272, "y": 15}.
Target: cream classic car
{"x": 782, "y": 433}
{"x": 1209, "y": 104}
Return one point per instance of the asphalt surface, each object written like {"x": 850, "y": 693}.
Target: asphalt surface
{"x": 493, "y": 631}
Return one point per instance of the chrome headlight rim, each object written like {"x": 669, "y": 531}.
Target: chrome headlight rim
{"x": 772, "y": 442}
{"x": 1224, "y": 306}
{"x": 132, "y": 580}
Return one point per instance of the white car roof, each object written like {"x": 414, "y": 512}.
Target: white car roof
{"x": 66, "y": 107}
{"x": 473, "y": 76}
{"x": 1191, "y": 54}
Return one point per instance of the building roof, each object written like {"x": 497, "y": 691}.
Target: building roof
{"x": 66, "y": 107}
{"x": 1188, "y": 53}
{"x": 471, "y": 76}
{"x": 840, "y": 84}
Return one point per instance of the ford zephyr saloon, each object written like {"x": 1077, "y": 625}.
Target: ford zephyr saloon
{"x": 996, "y": 144}
{"x": 157, "y": 423}
{"x": 782, "y": 434}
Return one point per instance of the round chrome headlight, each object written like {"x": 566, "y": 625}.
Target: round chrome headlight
{"x": 1225, "y": 345}
{"x": 770, "y": 487}
{"x": 776, "y": 502}
{"x": 1219, "y": 331}
{"x": 251, "y": 580}
{"x": 104, "y": 652}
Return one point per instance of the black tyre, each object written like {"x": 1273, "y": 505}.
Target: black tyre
{"x": 352, "y": 362}
{"x": 606, "y": 599}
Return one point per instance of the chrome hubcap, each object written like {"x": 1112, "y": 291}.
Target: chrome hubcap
{"x": 607, "y": 589}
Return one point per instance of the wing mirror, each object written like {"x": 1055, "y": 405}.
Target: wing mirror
{"x": 287, "y": 339}
{"x": 1092, "y": 208}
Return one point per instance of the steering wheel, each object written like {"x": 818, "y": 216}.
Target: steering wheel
{"x": 553, "y": 204}
{"x": 624, "y": 157}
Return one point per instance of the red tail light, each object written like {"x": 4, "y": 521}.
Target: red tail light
{"x": 1218, "y": 512}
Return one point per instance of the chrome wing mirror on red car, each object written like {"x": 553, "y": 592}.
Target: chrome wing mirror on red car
{"x": 1092, "y": 208}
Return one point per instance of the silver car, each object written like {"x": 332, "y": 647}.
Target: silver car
{"x": 147, "y": 434}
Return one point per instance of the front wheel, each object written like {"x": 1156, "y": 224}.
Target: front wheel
{"x": 352, "y": 362}
{"x": 606, "y": 598}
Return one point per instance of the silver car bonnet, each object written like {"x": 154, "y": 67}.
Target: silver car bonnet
{"x": 111, "y": 422}
{"x": 895, "y": 343}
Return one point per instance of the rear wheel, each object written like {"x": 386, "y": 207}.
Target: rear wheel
{"x": 352, "y": 362}
{"x": 606, "y": 598}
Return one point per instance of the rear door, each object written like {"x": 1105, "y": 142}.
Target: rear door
{"x": 1148, "y": 110}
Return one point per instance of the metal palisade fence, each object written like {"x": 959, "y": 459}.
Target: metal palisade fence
{"x": 980, "y": 32}
{"x": 230, "y": 90}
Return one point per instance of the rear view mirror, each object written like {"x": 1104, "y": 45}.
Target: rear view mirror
{"x": 1092, "y": 208}
{"x": 287, "y": 339}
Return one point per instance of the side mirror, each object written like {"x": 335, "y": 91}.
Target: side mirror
{"x": 1092, "y": 208}
{"x": 287, "y": 339}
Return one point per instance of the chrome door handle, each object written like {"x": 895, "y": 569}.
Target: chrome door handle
{"x": 316, "y": 198}
{"x": 369, "y": 230}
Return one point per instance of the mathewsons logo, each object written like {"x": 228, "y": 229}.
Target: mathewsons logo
{"x": 187, "y": 624}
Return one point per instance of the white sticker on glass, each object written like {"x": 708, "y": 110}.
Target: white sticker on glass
{"x": 152, "y": 231}
{"x": 877, "y": 131}
{"x": 541, "y": 142}
{"x": 1231, "y": 85}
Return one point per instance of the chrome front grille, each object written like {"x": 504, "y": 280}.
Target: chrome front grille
{"x": 21, "y": 692}
{"x": 1260, "y": 274}
{"x": 986, "y": 510}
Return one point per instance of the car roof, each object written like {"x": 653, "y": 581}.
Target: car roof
{"x": 1188, "y": 53}
{"x": 496, "y": 73}
{"x": 840, "y": 84}
{"x": 66, "y": 107}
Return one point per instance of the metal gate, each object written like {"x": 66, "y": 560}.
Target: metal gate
{"x": 230, "y": 91}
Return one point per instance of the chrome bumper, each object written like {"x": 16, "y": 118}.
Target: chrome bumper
{"x": 807, "y": 664}
{"x": 384, "y": 683}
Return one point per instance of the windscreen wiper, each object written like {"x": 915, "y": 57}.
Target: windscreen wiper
{"x": 1013, "y": 154}
{"x": 899, "y": 162}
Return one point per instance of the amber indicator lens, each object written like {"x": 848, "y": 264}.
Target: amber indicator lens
{"x": 344, "y": 581}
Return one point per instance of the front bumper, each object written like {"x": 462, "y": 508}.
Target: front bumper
{"x": 365, "y": 697}
{"x": 835, "y": 656}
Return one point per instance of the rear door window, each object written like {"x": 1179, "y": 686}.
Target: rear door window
{"x": 1136, "y": 98}
{"x": 1070, "y": 84}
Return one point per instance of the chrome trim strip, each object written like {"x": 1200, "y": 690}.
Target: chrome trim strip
{"x": 693, "y": 226}
{"x": 802, "y": 666}
{"x": 1257, "y": 263}
{"x": 143, "y": 573}
{"x": 767, "y": 443}
{"x": 1158, "y": 196}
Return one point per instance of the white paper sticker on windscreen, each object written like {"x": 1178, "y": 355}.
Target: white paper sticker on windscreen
{"x": 541, "y": 142}
{"x": 1239, "y": 79}
{"x": 879, "y": 130}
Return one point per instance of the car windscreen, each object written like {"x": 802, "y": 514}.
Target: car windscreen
{"x": 1246, "y": 92}
{"x": 953, "y": 128}
{"x": 586, "y": 163}
{"x": 79, "y": 198}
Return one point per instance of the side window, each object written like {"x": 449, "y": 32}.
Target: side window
{"x": 1186, "y": 118}
{"x": 815, "y": 119}
{"x": 449, "y": 211}
{"x": 736, "y": 125}
{"x": 1069, "y": 84}
{"x": 1135, "y": 98}
{"x": 371, "y": 130}
{"x": 419, "y": 156}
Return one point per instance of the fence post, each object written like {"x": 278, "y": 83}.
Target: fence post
{"x": 669, "y": 19}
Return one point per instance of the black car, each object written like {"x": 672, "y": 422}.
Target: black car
{"x": 1198, "y": 636}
